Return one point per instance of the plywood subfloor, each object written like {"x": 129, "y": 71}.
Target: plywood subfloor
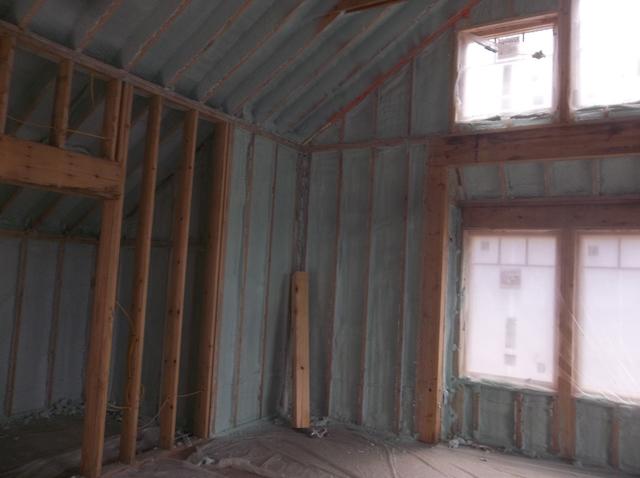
{"x": 277, "y": 452}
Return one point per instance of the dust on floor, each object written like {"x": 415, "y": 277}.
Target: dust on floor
{"x": 270, "y": 451}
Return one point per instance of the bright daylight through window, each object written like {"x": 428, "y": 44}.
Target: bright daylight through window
{"x": 607, "y": 56}
{"x": 505, "y": 76}
{"x": 509, "y": 313}
{"x": 609, "y": 317}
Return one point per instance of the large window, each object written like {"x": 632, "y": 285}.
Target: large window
{"x": 607, "y": 53}
{"x": 514, "y": 311}
{"x": 608, "y": 325}
{"x": 509, "y": 320}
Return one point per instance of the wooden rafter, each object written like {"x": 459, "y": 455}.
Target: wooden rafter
{"x": 46, "y": 212}
{"x": 213, "y": 88}
{"x": 322, "y": 27}
{"x": 404, "y": 61}
{"x": 315, "y": 74}
{"x": 61, "y": 104}
{"x": 155, "y": 36}
{"x": 228, "y": 23}
{"x": 97, "y": 25}
{"x": 31, "y": 12}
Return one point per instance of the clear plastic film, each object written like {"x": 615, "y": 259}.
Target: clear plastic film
{"x": 512, "y": 302}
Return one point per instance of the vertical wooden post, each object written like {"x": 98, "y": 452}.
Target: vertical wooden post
{"x": 300, "y": 334}
{"x": 214, "y": 265}
{"x": 7, "y": 53}
{"x": 61, "y": 104}
{"x": 177, "y": 279}
{"x": 565, "y": 417}
{"x": 564, "y": 60}
{"x": 110, "y": 119}
{"x": 431, "y": 341}
{"x": 99, "y": 351}
{"x": 140, "y": 284}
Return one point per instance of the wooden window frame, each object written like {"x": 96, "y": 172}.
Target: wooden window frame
{"x": 507, "y": 27}
{"x": 570, "y": 222}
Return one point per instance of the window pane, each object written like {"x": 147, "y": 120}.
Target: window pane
{"x": 607, "y": 53}
{"x": 609, "y": 317}
{"x": 506, "y": 76}
{"x": 510, "y": 309}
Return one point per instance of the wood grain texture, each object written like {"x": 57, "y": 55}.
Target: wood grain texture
{"x": 144, "y": 231}
{"x": 214, "y": 269}
{"x": 61, "y": 104}
{"x": 7, "y": 54}
{"x": 26, "y": 163}
{"x": 576, "y": 141}
{"x": 100, "y": 337}
{"x": 300, "y": 333}
{"x": 431, "y": 339}
{"x": 176, "y": 284}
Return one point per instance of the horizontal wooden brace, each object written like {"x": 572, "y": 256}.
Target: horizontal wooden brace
{"x": 574, "y": 141}
{"x": 576, "y": 216}
{"x": 25, "y": 163}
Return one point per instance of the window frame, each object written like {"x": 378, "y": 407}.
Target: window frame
{"x": 569, "y": 222}
{"x": 461, "y": 371}
{"x": 513, "y": 26}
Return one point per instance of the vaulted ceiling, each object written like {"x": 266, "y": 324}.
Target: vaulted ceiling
{"x": 285, "y": 65}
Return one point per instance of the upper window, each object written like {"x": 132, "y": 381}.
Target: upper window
{"x": 608, "y": 358}
{"x": 607, "y": 56}
{"x": 504, "y": 74}
{"x": 509, "y": 314}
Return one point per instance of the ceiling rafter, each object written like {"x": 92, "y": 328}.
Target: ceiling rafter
{"x": 146, "y": 45}
{"x": 31, "y": 12}
{"x": 381, "y": 79}
{"x": 304, "y": 86}
{"x": 97, "y": 25}
{"x": 229, "y": 22}
{"x": 323, "y": 26}
{"x": 357, "y": 69}
{"x": 213, "y": 88}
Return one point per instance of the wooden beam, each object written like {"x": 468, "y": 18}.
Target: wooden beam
{"x": 49, "y": 49}
{"x": 228, "y": 23}
{"x": 110, "y": 119}
{"x": 301, "y": 416}
{"x": 397, "y": 68}
{"x": 7, "y": 54}
{"x": 593, "y": 140}
{"x": 61, "y": 104}
{"x": 31, "y": 12}
{"x": 213, "y": 280}
{"x": 176, "y": 285}
{"x": 46, "y": 212}
{"x": 590, "y": 215}
{"x": 565, "y": 417}
{"x": 257, "y": 47}
{"x": 144, "y": 232}
{"x": 25, "y": 163}
{"x": 99, "y": 348}
{"x": 431, "y": 339}
{"x": 565, "y": 76}
{"x": 97, "y": 25}
{"x": 149, "y": 42}
{"x": 350, "y": 6}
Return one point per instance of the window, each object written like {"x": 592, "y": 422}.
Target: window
{"x": 607, "y": 57}
{"x": 608, "y": 358}
{"x": 505, "y": 74}
{"x": 509, "y": 318}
